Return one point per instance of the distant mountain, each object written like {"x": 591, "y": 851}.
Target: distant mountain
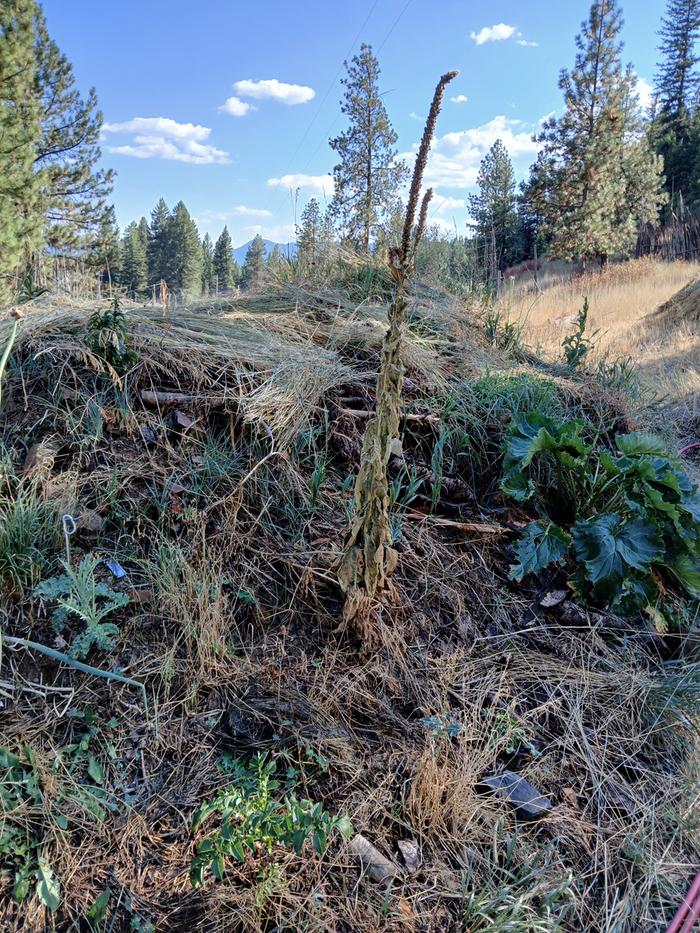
{"x": 287, "y": 249}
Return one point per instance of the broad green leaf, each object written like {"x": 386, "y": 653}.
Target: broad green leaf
{"x": 47, "y": 887}
{"x": 608, "y": 546}
{"x": 531, "y": 434}
{"x": 95, "y": 770}
{"x": 690, "y": 503}
{"x": 98, "y": 911}
{"x": 637, "y": 444}
{"x": 20, "y": 888}
{"x": 7, "y": 759}
{"x": 541, "y": 545}
{"x": 687, "y": 570}
{"x": 344, "y": 826}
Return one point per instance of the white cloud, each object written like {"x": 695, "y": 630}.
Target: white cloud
{"x": 276, "y": 90}
{"x": 163, "y": 138}
{"x": 414, "y": 116}
{"x": 454, "y": 158}
{"x": 493, "y": 33}
{"x": 645, "y": 92}
{"x": 315, "y": 184}
{"x": 459, "y": 99}
{"x": 441, "y": 204}
{"x": 210, "y": 217}
{"x": 243, "y": 211}
{"x": 498, "y": 33}
{"x": 278, "y": 233}
{"x": 236, "y": 107}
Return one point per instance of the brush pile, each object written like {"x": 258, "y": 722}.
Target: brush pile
{"x": 212, "y": 478}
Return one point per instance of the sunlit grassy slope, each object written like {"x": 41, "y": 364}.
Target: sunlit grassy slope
{"x": 620, "y": 301}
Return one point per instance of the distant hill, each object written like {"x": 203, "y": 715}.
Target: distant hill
{"x": 287, "y": 249}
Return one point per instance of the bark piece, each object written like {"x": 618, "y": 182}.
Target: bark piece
{"x": 377, "y": 866}
{"x": 526, "y": 799}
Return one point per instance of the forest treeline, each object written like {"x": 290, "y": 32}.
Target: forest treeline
{"x": 606, "y": 169}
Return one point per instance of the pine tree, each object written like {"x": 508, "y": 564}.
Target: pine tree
{"x": 106, "y": 254}
{"x": 184, "y": 265}
{"x": 20, "y": 185}
{"x": 677, "y": 84}
{"x": 313, "y": 238}
{"x": 158, "y": 245}
{"x": 275, "y": 262}
{"x": 595, "y": 156}
{"x": 207, "y": 265}
{"x": 224, "y": 271}
{"x": 254, "y": 265}
{"x": 134, "y": 272}
{"x": 368, "y": 176}
{"x": 678, "y": 79}
{"x": 76, "y": 191}
{"x": 493, "y": 209}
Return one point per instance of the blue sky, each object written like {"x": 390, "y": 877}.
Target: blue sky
{"x": 165, "y": 69}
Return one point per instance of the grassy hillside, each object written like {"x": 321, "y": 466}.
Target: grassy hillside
{"x": 209, "y": 459}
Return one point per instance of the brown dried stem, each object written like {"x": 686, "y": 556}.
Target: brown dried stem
{"x": 368, "y": 558}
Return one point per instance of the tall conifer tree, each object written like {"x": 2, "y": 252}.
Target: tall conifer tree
{"x": 675, "y": 130}
{"x": 368, "y": 176}
{"x": 595, "y": 159}
{"x": 75, "y": 190}
{"x": 20, "y": 185}
{"x": 134, "y": 272}
{"x": 223, "y": 261}
{"x": 493, "y": 208}
{"x": 184, "y": 253}
{"x": 158, "y": 245}
{"x": 254, "y": 265}
{"x": 207, "y": 264}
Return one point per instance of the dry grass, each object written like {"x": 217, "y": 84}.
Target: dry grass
{"x": 621, "y": 302}
{"x": 237, "y": 559}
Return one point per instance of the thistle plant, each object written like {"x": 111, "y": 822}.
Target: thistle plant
{"x": 368, "y": 558}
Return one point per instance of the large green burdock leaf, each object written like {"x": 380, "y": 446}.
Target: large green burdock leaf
{"x": 687, "y": 571}
{"x": 637, "y": 444}
{"x": 542, "y": 544}
{"x": 608, "y": 546}
{"x": 529, "y": 435}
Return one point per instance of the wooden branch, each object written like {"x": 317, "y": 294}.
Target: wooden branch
{"x": 482, "y": 528}
{"x": 156, "y": 398}
{"x": 409, "y": 416}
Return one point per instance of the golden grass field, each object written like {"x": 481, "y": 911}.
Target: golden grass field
{"x": 621, "y": 299}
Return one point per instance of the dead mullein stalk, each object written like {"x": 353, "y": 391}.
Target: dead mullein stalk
{"x": 368, "y": 558}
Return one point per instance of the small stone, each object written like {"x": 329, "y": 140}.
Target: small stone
{"x": 526, "y": 799}
{"x": 377, "y": 866}
{"x": 553, "y": 598}
{"x": 410, "y": 854}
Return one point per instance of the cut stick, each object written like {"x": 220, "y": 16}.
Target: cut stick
{"x": 410, "y": 416}
{"x": 155, "y": 397}
{"x": 482, "y": 528}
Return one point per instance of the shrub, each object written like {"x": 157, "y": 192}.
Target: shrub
{"x": 252, "y": 817}
{"x": 108, "y": 338}
{"x": 78, "y": 593}
{"x": 629, "y": 517}
{"x": 577, "y": 345}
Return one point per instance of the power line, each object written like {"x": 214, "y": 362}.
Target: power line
{"x": 338, "y": 115}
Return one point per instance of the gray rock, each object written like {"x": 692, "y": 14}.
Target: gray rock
{"x": 526, "y": 799}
